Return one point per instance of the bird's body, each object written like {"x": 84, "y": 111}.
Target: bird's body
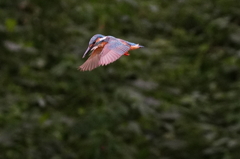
{"x": 105, "y": 50}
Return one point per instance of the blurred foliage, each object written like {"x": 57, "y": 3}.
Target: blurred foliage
{"x": 177, "y": 98}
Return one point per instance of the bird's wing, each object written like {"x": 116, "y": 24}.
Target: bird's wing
{"x": 112, "y": 51}
{"x": 92, "y": 62}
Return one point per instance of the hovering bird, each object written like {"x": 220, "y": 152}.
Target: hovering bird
{"x": 105, "y": 50}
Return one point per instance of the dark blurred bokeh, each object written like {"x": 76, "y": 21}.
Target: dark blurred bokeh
{"x": 177, "y": 98}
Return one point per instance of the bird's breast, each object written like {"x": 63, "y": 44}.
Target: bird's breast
{"x": 96, "y": 51}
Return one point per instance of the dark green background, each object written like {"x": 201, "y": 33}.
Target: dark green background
{"x": 176, "y": 98}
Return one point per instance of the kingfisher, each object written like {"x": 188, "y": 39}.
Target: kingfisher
{"x": 104, "y": 50}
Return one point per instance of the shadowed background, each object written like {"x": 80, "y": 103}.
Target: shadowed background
{"x": 176, "y": 98}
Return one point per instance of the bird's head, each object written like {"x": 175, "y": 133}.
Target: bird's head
{"x": 94, "y": 42}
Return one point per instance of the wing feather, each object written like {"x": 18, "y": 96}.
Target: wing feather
{"x": 92, "y": 62}
{"x": 112, "y": 51}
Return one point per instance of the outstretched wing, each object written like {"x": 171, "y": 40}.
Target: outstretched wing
{"x": 112, "y": 51}
{"x": 92, "y": 62}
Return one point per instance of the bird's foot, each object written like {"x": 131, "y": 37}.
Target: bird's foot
{"x": 126, "y": 54}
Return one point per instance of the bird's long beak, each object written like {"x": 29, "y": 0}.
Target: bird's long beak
{"x": 88, "y": 49}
